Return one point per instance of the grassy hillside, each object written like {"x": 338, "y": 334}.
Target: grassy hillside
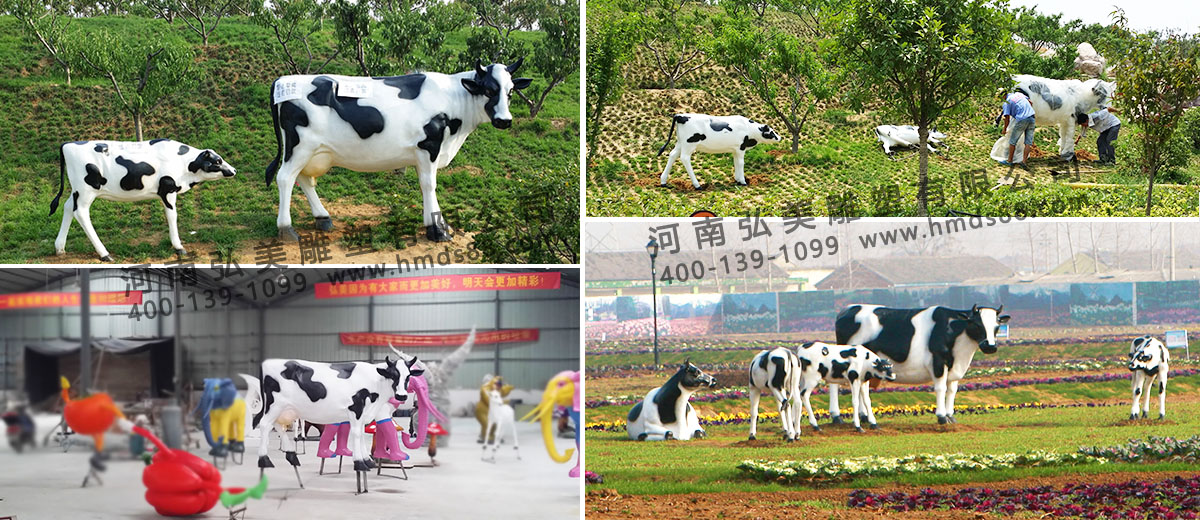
{"x": 228, "y": 112}
{"x": 839, "y": 155}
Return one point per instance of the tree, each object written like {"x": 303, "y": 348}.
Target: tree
{"x": 1158, "y": 76}
{"x": 47, "y": 21}
{"x": 352, "y": 26}
{"x": 294, "y": 22}
{"x": 1042, "y": 33}
{"x": 145, "y": 73}
{"x": 415, "y": 38}
{"x": 492, "y": 40}
{"x": 924, "y": 59}
{"x": 202, "y": 16}
{"x": 611, "y": 36}
{"x": 556, "y": 56}
{"x": 784, "y": 71}
{"x": 674, "y": 38}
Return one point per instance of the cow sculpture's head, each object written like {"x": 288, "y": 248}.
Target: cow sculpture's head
{"x": 691, "y": 378}
{"x": 881, "y": 368}
{"x": 495, "y": 84}
{"x": 1143, "y": 356}
{"x": 766, "y": 133}
{"x": 390, "y": 372}
{"x": 1103, "y": 90}
{"x": 207, "y": 165}
{"x": 981, "y": 325}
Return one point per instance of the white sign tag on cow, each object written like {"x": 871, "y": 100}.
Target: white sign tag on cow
{"x": 286, "y": 90}
{"x": 354, "y": 88}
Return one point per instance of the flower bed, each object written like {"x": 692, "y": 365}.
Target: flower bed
{"x": 1152, "y": 449}
{"x": 1176, "y": 497}
{"x": 793, "y": 471}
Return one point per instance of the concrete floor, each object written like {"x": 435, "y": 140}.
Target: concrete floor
{"x": 45, "y": 484}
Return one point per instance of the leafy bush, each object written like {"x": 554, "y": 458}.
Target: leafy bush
{"x": 792, "y": 471}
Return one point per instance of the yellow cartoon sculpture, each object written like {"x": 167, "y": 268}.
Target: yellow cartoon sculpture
{"x": 562, "y": 390}
{"x": 481, "y": 408}
{"x": 223, "y": 417}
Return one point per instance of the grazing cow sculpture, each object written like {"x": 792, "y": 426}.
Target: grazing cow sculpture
{"x": 776, "y": 372}
{"x": 502, "y": 421}
{"x": 1056, "y": 103}
{"x": 905, "y": 136}
{"x": 1148, "y": 359}
{"x": 129, "y": 171}
{"x": 930, "y": 344}
{"x": 665, "y": 413}
{"x": 222, "y": 417}
{"x": 373, "y": 124}
{"x": 851, "y": 365}
{"x": 714, "y": 134}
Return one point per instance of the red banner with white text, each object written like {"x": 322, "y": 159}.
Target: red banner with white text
{"x": 31, "y": 300}
{"x": 438, "y": 340}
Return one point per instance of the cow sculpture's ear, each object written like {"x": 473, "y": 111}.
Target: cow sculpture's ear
{"x": 512, "y": 69}
{"x": 1003, "y": 319}
{"x": 521, "y": 83}
{"x": 472, "y": 86}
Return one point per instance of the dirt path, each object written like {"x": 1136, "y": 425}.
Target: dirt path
{"x": 604, "y": 503}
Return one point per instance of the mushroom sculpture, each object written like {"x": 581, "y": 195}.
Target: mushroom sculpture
{"x": 562, "y": 390}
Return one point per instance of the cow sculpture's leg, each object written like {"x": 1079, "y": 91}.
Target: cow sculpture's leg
{"x": 286, "y": 179}
{"x": 83, "y": 215}
{"x": 755, "y": 395}
{"x": 835, "y": 413}
{"x": 1147, "y": 388}
{"x": 436, "y": 228}
{"x": 806, "y": 395}
{"x": 1138, "y": 377}
{"x": 739, "y": 167}
{"x": 309, "y": 186}
{"x": 856, "y": 402}
{"x": 662, "y": 181}
{"x": 173, "y": 223}
{"x": 866, "y": 402}
{"x": 1162, "y": 394}
{"x": 60, "y": 243}
{"x": 951, "y": 391}
{"x": 686, "y": 158}
{"x": 785, "y": 413}
{"x": 939, "y": 397}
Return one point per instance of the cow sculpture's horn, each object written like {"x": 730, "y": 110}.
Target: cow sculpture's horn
{"x": 479, "y": 69}
{"x": 512, "y": 69}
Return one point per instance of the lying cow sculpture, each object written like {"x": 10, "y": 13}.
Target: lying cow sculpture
{"x": 1056, "y": 103}
{"x": 128, "y": 171}
{"x": 665, "y": 413}
{"x": 373, "y": 124}
{"x": 714, "y": 134}
{"x": 934, "y": 344}
{"x": 905, "y": 136}
{"x": 1148, "y": 359}
{"x": 851, "y": 365}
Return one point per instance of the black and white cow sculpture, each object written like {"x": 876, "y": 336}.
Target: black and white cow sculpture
{"x": 1148, "y": 359}
{"x": 325, "y": 393}
{"x": 384, "y": 123}
{"x": 905, "y": 136}
{"x": 933, "y": 344}
{"x": 776, "y": 372}
{"x": 128, "y": 171}
{"x": 851, "y": 365}
{"x": 665, "y": 413}
{"x": 714, "y": 134}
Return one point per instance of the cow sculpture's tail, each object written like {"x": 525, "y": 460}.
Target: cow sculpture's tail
{"x": 62, "y": 175}
{"x": 273, "y": 168}
{"x": 254, "y": 398}
{"x": 674, "y": 122}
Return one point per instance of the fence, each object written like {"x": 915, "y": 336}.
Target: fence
{"x": 1051, "y": 305}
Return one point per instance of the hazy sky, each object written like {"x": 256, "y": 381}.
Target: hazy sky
{"x": 1183, "y": 15}
{"x": 1049, "y": 241}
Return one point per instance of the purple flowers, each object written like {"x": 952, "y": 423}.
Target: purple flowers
{"x": 1176, "y": 497}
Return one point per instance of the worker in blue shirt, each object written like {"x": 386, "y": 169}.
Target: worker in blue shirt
{"x": 1018, "y": 108}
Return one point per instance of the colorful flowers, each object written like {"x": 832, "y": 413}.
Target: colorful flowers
{"x": 792, "y": 471}
{"x": 1176, "y": 497}
{"x": 1152, "y": 449}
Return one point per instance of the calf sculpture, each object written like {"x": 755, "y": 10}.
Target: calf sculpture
{"x": 373, "y": 124}
{"x": 905, "y": 136}
{"x": 1148, "y": 359}
{"x": 851, "y": 365}
{"x": 129, "y": 171}
{"x": 776, "y": 372}
{"x": 665, "y": 413}
{"x": 714, "y": 134}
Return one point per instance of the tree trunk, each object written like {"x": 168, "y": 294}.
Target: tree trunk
{"x": 923, "y": 176}
{"x": 137, "y": 126}
{"x": 362, "y": 61}
{"x": 796, "y": 140}
{"x": 67, "y": 71}
{"x": 1150, "y": 191}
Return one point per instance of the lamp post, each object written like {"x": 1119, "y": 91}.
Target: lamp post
{"x": 652, "y": 250}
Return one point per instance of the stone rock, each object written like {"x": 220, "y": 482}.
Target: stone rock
{"x": 1088, "y": 61}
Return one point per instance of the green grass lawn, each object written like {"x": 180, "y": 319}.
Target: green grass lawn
{"x": 228, "y": 112}
{"x": 708, "y": 465}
